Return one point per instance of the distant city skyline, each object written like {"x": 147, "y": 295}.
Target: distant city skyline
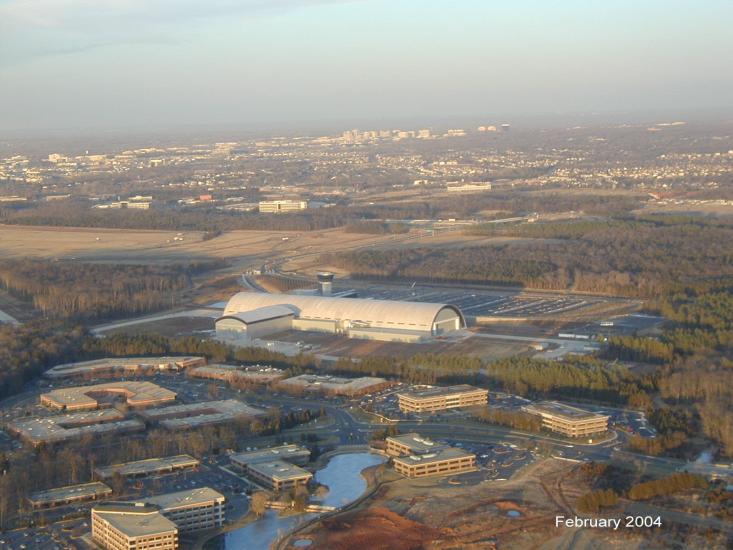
{"x": 252, "y": 64}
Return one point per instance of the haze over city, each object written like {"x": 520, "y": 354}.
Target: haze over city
{"x": 395, "y": 275}
{"x": 258, "y": 64}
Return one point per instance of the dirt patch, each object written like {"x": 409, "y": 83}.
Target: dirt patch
{"x": 376, "y": 529}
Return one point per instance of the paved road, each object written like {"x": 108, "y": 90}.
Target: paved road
{"x": 200, "y": 312}
{"x": 8, "y": 319}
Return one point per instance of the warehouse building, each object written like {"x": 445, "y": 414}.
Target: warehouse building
{"x": 148, "y": 467}
{"x": 66, "y": 427}
{"x": 125, "y": 366}
{"x": 445, "y": 461}
{"x": 334, "y": 385}
{"x": 568, "y": 420}
{"x": 132, "y": 526}
{"x": 293, "y": 454}
{"x": 61, "y": 496}
{"x": 196, "y": 415}
{"x": 433, "y": 399}
{"x": 135, "y": 394}
{"x": 255, "y": 374}
{"x": 250, "y": 315}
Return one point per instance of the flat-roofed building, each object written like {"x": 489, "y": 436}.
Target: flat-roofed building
{"x": 206, "y": 413}
{"x": 293, "y": 454}
{"x": 121, "y": 366}
{"x": 192, "y": 510}
{"x": 277, "y": 475}
{"x": 285, "y": 205}
{"x": 445, "y": 461}
{"x": 335, "y": 385}
{"x": 150, "y": 466}
{"x": 409, "y": 444}
{"x": 433, "y": 399}
{"x": 568, "y": 420}
{"x": 135, "y": 394}
{"x": 65, "y": 427}
{"x": 254, "y": 374}
{"x": 132, "y": 526}
{"x": 61, "y": 496}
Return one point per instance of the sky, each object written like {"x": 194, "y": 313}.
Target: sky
{"x": 108, "y": 64}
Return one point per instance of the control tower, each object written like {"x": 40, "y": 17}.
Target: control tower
{"x": 325, "y": 282}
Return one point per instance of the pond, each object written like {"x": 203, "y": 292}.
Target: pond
{"x": 341, "y": 475}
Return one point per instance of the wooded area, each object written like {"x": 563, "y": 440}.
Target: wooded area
{"x": 645, "y": 257}
{"x": 76, "y": 290}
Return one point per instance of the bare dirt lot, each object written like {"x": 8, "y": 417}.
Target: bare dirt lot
{"x": 517, "y": 514}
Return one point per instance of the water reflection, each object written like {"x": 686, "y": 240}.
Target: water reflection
{"x": 341, "y": 475}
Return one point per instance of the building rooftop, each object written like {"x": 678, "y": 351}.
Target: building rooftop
{"x": 119, "y": 363}
{"x": 259, "y": 314}
{"x": 282, "y": 452}
{"x": 92, "y": 489}
{"x": 326, "y": 382}
{"x": 136, "y": 393}
{"x": 135, "y": 519}
{"x": 279, "y": 470}
{"x": 181, "y": 499}
{"x": 389, "y": 314}
{"x": 201, "y": 414}
{"x": 417, "y": 443}
{"x": 436, "y": 391}
{"x": 150, "y": 465}
{"x": 256, "y": 372}
{"x": 70, "y": 426}
{"x": 445, "y": 453}
{"x": 554, "y": 408}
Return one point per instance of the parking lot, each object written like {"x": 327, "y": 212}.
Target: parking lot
{"x": 490, "y": 303}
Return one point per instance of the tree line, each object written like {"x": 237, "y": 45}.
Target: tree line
{"x": 75, "y": 290}
{"x": 631, "y": 257}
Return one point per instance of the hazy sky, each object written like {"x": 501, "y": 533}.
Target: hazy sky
{"x": 84, "y": 64}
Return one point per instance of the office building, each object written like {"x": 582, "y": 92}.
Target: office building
{"x": 445, "y": 461}
{"x": 433, "y": 399}
{"x": 568, "y": 420}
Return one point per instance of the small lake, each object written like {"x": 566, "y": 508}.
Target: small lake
{"x": 343, "y": 477}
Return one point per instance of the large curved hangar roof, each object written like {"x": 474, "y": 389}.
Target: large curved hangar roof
{"x": 374, "y": 313}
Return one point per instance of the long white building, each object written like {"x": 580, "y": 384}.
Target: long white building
{"x": 251, "y": 315}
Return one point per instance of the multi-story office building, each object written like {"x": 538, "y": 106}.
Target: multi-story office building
{"x": 277, "y": 475}
{"x": 445, "y": 461}
{"x": 441, "y": 398}
{"x": 409, "y": 444}
{"x": 192, "y": 510}
{"x": 568, "y": 420}
{"x": 132, "y": 526}
{"x": 282, "y": 206}
{"x": 289, "y": 453}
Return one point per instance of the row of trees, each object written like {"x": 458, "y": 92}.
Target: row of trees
{"x": 518, "y": 420}
{"x": 669, "y": 485}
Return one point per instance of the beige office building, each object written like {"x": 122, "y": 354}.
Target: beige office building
{"x": 441, "y": 398}
{"x": 132, "y": 526}
{"x": 282, "y": 206}
{"x": 445, "y": 461}
{"x": 568, "y": 420}
{"x": 192, "y": 510}
{"x": 409, "y": 444}
{"x": 277, "y": 475}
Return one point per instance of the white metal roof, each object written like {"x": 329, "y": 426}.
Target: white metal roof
{"x": 372, "y": 313}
